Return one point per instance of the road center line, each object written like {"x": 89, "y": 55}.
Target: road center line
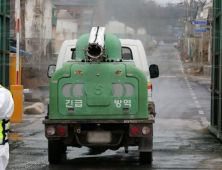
{"x": 198, "y": 106}
{"x": 194, "y": 98}
{"x": 167, "y": 76}
{"x": 196, "y": 102}
{"x": 201, "y": 112}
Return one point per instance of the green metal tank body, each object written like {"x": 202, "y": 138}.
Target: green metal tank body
{"x": 109, "y": 90}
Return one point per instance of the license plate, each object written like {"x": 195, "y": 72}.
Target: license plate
{"x": 99, "y": 137}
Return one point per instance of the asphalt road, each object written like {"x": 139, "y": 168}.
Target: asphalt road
{"x": 181, "y": 137}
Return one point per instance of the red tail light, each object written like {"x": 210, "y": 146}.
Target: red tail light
{"x": 211, "y": 86}
{"x": 149, "y": 85}
{"x": 135, "y": 130}
{"x": 61, "y": 131}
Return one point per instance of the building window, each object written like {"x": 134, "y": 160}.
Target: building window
{"x": 78, "y": 15}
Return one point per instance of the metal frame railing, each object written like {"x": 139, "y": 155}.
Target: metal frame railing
{"x": 4, "y": 42}
{"x": 216, "y": 93}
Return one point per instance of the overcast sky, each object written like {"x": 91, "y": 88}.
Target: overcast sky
{"x": 165, "y": 1}
{"x": 162, "y": 2}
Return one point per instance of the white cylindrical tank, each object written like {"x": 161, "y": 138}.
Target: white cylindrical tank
{"x": 95, "y": 49}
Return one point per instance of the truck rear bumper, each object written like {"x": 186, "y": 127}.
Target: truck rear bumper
{"x": 48, "y": 121}
{"x": 114, "y": 134}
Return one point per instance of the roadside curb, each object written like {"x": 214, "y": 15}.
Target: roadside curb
{"x": 28, "y": 119}
{"x": 201, "y": 79}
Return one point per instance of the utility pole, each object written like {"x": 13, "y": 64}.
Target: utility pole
{"x": 191, "y": 10}
{"x": 101, "y": 12}
{"x": 149, "y": 26}
{"x": 201, "y": 49}
{"x": 199, "y": 8}
{"x": 191, "y": 21}
{"x": 187, "y": 29}
{"x": 187, "y": 9}
{"x": 183, "y": 28}
{"x": 185, "y": 19}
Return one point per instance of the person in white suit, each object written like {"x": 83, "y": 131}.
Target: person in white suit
{"x": 6, "y": 111}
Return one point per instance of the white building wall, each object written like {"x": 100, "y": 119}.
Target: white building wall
{"x": 115, "y": 27}
{"x": 141, "y": 31}
{"x": 65, "y": 30}
{"x": 38, "y": 19}
{"x": 47, "y": 18}
{"x": 37, "y": 29}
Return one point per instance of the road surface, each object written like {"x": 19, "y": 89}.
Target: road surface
{"x": 181, "y": 137}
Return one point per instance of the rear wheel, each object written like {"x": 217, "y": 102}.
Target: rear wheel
{"x": 55, "y": 151}
{"x": 146, "y": 157}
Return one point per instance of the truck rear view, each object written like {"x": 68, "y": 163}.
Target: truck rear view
{"x": 98, "y": 101}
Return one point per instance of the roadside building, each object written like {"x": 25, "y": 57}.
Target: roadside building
{"x": 203, "y": 41}
{"x": 66, "y": 29}
{"x": 36, "y": 29}
{"x": 141, "y": 31}
{"x": 117, "y": 28}
{"x": 38, "y": 22}
{"x": 196, "y": 39}
{"x": 130, "y": 33}
{"x": 84, "y": 12}
{"x": 146, "y": 40}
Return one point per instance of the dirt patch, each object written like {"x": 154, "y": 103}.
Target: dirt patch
{"x": 194, "y": 70}
{"x": 187, "y": 58}
{"x": 32, "y": 78}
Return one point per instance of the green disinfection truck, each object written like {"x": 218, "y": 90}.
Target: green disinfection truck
{"x": 98, "y": 99}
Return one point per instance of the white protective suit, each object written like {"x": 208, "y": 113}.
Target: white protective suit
{"x": 6, "y": 111}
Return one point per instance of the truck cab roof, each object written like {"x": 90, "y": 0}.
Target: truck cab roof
{"x": 135, "y": 47}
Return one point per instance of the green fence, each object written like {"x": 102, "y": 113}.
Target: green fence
{"x": 4, "y": 42}
{"x": 216, "y": 94}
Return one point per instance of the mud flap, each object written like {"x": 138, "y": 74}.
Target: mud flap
{"x": 146, "y": 144}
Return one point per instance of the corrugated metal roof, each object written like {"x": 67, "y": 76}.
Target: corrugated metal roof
{"x": 75, "y": 2}
{"x": 13, "y": 49}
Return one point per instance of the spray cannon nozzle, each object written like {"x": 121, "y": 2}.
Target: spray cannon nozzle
{"x": 95, "y": 48}
{"x": 94, "y": 51}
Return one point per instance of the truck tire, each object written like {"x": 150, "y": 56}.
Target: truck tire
{"x": 146, "y": 157}
{"x": 54, "y": 152}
